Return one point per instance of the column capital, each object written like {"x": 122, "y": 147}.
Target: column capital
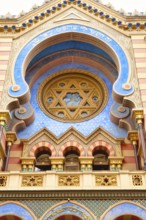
{"x": 138, "y": 115}
{"x": 57, "y": 163}
{"x": 86, "y": 160}
{"x": 115, "y": 160}
{"x": 57, "y": 160}
{"x": 27, "y": 163}
{"x": 27, "y": 160}
{"x": 132, "y": 135}
{"x": 11, "y": 137}
{"x": 4, "y": 117}
{"x": 115, "y": 163}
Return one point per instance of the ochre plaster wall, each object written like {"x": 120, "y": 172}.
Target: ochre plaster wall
{"x": 5, "y": 49}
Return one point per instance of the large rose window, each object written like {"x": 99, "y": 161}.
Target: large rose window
{"x": 72, "y": 97}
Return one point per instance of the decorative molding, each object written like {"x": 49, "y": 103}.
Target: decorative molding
{"x": 74, "y": 194}
{"x": 106, "y": 180}
{"x": 137, "y": 180}
{"x": 94, "y": 9}
{"x": 69, "y": 180}
{"x": 3, "y": 181}
{"x": 32, "y": 181}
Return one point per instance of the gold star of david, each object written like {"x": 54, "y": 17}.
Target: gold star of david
{"x": 72, "y": 96}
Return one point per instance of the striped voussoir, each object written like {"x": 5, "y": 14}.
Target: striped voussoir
{"x": 43, "y": 145}
{"x": 101, "y": 145}
{"x": 71, "y": 145}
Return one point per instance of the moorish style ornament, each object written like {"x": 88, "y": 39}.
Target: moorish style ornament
{"x": 72, "y": 96}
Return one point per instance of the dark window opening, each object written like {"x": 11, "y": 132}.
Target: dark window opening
{"x": 100, "y": 161}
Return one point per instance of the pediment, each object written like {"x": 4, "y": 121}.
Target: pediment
{"x": 72, "y": 14}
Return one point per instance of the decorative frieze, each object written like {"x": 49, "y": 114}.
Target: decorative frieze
{"x": 69, "y": 180}
{"x": 137, "y": 180}
{"x": 106, "y": 180}
{"x": 3, "y": 181}
{"x": 35, "y": 180}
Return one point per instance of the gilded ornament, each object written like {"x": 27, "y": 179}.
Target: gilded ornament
{"x": 78, "y": 99}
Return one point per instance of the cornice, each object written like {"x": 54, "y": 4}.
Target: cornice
{"x": 98, "y": 11}
{"x": 74, "y": 195}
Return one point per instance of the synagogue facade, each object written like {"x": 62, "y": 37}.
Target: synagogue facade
{"x": 73, "y": 113}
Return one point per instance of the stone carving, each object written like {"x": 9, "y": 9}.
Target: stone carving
{"x": 137, "y": 180}
{"x": 77, "y": 100}
{"x": 69, "y": 180}
{"x": 34, "y": 180}
{"x": 3, "y": 181}
{"x": 106, "y": 180}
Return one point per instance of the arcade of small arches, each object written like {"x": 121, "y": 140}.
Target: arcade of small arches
{"x": 70, "y": 155}
{"x": 73, "y": 211}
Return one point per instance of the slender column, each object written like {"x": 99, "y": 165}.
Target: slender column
{"x": 10, "y": 138}
{"x": 133, "y": 137}
{"x": 9, "y": 144}
{"x": 138, "y": 115}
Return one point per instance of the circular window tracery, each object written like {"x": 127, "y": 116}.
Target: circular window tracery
{"x": 72, "y": 96}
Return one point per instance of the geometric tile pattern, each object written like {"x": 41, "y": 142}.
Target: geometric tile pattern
{"x": 97, "y": 207}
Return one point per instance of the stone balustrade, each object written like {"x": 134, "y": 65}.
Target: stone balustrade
{"x": 52, "y": 180}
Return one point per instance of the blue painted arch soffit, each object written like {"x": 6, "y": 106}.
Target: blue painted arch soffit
{"x": 71, "y": 45}
{"x": 125, "y": 208}
{"x": 17, "y": 210}
{"x": 124, "y": 70}
{"x": 39, "y": 63}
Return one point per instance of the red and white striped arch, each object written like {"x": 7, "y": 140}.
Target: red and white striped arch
{"x": 71, "y": 145}
{"x": 101, "y": 145}
{"x": 43, "y": 145}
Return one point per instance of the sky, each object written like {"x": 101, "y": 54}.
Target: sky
{"x": 16, "y": 6}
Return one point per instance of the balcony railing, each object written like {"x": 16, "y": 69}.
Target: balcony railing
{"x": 51, "y": 180}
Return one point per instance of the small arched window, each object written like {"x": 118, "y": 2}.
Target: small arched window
{"x": 71, "y": 161}
{"x": 43, "y": 160}
{"x": 100, "y": 161}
